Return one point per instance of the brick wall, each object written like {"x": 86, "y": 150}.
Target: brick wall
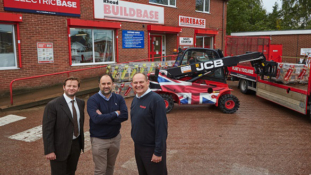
{"x": 49, "y": 28}
{"x": 292, "y": 44}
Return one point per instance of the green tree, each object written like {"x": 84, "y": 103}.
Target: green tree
{"x": 274, "y": 18}
{"x": 246, "y": 15}
{"x": 249, "y": 15}
{"x": 304, "y": 11}
{"x": 289, "y": 12}
{"x": 296, "y": 14}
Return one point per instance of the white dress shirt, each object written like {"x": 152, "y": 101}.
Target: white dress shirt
{"x": 68, "y": 100}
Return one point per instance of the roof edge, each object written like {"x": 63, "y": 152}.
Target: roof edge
{"x": 278, "y": 32}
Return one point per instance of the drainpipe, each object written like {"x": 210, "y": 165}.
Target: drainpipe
{"x": 223, "y": 24}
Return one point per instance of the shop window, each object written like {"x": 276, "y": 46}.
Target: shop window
{"x": 164, "y": 2}
{"x": 7, "y": 47}
{"x": 92, "y": 46}
{"x": 202, "y": 5}
{"x": 204, "y": 41}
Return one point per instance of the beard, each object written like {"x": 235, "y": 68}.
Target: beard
{"x": 107, "y": 92}
{"x": 70, "y": 95}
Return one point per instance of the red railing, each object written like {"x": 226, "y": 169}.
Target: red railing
{"x": 67, "y": 72}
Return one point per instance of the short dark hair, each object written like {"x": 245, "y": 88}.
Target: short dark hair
{"x": 106, "y": 75}
{"x": 72, "y": 78}
{"x": 146, "y": 77}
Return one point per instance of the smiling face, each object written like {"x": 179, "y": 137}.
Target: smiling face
{"x": 71, "y": 88}
{"x": 140, "y": 84}
{"x": 105, "y": 85}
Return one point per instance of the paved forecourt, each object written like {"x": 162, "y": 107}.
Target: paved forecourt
{"x": 261, "y": 138}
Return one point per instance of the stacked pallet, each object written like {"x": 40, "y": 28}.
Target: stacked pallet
{"x": 123, "y": 74}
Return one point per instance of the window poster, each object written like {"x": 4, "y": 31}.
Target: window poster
{"x": 45, "y": 52}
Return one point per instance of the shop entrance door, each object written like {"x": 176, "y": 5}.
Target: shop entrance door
{"x": 155, "y": 47}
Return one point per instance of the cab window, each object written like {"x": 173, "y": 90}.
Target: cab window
{"x": 194, "y": 56}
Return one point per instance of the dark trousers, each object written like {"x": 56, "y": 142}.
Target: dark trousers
{"x": 143, "y": 157}
{"x": 68, "y": 166}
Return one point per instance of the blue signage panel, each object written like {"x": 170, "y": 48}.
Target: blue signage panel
{"x": 132, "y": 39}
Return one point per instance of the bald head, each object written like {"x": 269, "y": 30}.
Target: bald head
{"x": 140, "y": 75}
{"x": 105, "y": 85}
{"x": 106, "y": 75}
{"x": 140, "y": 83}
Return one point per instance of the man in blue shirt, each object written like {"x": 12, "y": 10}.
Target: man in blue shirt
{"x": 106, "y": 110}
{"x": 149, "y": 128}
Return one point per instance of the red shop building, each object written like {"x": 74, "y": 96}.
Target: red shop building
{"x": 48, "y": 36}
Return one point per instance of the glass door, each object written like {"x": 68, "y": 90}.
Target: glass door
{"x": 156, "y": 47}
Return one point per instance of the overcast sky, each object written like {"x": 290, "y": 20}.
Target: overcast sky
{"x": 268, "y": 4}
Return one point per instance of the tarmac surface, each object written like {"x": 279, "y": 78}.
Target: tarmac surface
{"x": 261, "y": 138}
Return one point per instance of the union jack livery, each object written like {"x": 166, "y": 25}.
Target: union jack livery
{"x": 199, "y": 77}
{"x": 185, "y": 92}
{"x": 188, "y": 92}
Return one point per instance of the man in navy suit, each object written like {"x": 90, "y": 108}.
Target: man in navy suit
{"x": 62, "y": 127}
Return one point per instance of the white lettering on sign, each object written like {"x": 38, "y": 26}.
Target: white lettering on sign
{"x": 191, "y": 22}
{"x": 129, "y": 11}
{"x": 185, "y": 40}
{"x": 235, "y": 68}
{"x": 244, "y": 70}
{"x": 60, "y": 3}
{"x": 249, "y": 71}
{"x": 209, "y": 65}
{"x": 275, "y": 50}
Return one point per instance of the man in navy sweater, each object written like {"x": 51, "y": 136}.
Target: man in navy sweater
{"x": 106, "y": 110}
{"x": 149, "y": 128}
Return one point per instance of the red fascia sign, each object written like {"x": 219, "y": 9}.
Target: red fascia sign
{"x": 51, "y": 7}
{"x": 187, "y": 21}
{"x": 244, "y": 70}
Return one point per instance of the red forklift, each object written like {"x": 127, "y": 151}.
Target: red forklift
{"x": 199, "y": 76}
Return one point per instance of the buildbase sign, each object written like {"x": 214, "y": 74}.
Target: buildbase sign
{"x": 128, "y": 11}
{"x": 187, "y": 21}
{"x": 52, "y": 7}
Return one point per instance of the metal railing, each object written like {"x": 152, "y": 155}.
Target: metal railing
{"x": 67, "y": 72}
{"x": 290, "y": 59}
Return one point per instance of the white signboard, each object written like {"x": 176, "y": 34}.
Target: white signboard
{"x": 45, "y": 52}
{"x": 187, "y": 21}
{"x": 185, "y": 41}
{"x": 305, "y": 51}
{"x": 128, "y": 11}
{"x": 185, "y": 69}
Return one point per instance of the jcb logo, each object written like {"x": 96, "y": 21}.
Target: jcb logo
{"x": 209, "y": 65}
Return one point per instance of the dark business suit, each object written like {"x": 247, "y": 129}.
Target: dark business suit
{"x": 57, "y": 127}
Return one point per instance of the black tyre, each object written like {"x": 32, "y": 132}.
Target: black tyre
{"x": 169, "y": 102}
{"x": 229, "y": 103}
{"x": 244, "y": 86}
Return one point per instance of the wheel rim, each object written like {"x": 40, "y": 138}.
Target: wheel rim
{"x": 230, "y": 104}
{"x": 243, "y": 85}
{"x": 166, "y": 103}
